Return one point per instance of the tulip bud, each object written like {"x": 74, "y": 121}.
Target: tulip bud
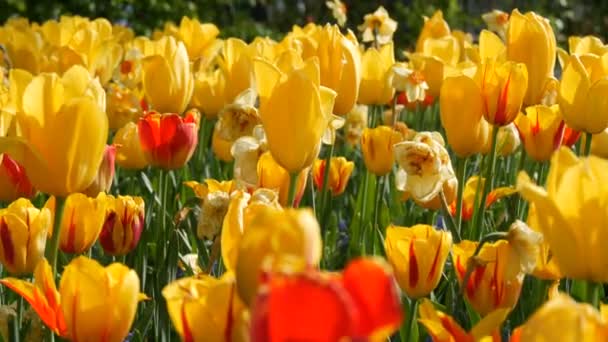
{"x": 123, "y": 225}
{"x": 417, "y": 255}
{"x": 129, "y": 154}
{"x": 13, "y": 180}
{"x": 272, "y": 176}
{"x": 23, "y": 233}
{"x": 82, "y": 220}
{"x": 339, "y": 173}
{"x": 105, "y": 175}
{"x": 377, "y": 148}
{"x": 503, "y": 87}
{"x": 168, "y": 140}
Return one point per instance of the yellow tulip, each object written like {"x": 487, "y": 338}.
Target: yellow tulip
{"x": 63, "y": 130}
{"x": 199, "y": 38}
{"x": 273, "y": 176}
{"x": 496, "y": 278}
{"x": 124, "y": 106}
{"x": 275, "y": 233}
{"x": 221, "y": 147}
{"x": 377, "y": 148}
{"x": 586, "y": 45}
{"x": 576, "y": 322}
{"x": 507, "y": 140}
{"x": 530, "y": 40}
{"x": 23, "y": 232}
{"x": 129, "y": 154}
{"x": 546, "y": 268}
{"x": 446, "y": 49}
{"x": 123, "y": 225}
{"x": 24, "y": 47}
{"x": 295, "y": 111}
{"x": 599, "y": 144}
{"x": 337, "y": 178}
{"x": 82, "y": 220}
{"x": 469, "y": 194}
{"x": 376, "y": 66}
{"x": 87, "y": 292}
{"x": 467, "y": 131}
{"x": 575, "y": 197}
{"x": 434, "y": 27}
{"x": 491, "y": 47}
{"x": 581, "y": 93}
{"x": 237, "y": 66}
{"x": 167, "y": 80}
{"x": 204, "y": 308}
{"x": 541, "y": 130}
{"x": 417, "y": 255}
{"x": 209, "y": 92}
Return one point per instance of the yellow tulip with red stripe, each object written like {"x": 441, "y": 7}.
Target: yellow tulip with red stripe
{"x": 82, "y": 220}
{"x": 123, "y": 225}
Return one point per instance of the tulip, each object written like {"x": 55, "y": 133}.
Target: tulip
{"x": 275, "y": 233}
{"x": 129, "y": 154}
{"x": 491, "y": 47}
{"x": 199, "y": 38}
{"x": 13, "y": 180}
{"x": 377, "y": 148}
{"x": 444, "y": 328}
{"x": 23, "y": 233}
{"x": 105, "y": 175}
{"x": 295, "y": 111}
{"x": 378, "y": 27}
{"x": 599, "y": 144}
{"x": 82, "y": 220}
{"x": 209, "y": 92}
{"x": 467, "y": 131}
{"x": 502, "y": 87}
{"x": 361, "y": 303}
{"x": 570, "y": 136}
{"x": 237, "y": 66}
{"x": 530, "y": 40}
{"x": 446, "y": 49}
{"x": 417, "y": 255}
{"x": 426, "y": 168}
{"x": 168, "y": 140}
{"x": 167, "y": 80}
{"x": 73, "y": 312}
{"x": 124, "y": 106}
{"x": 573, "y": 198}
{"x": 469, "y": 193}
{"x": 507, "y": 140}
{"x": 63, "y": 131}
{"x": 339, "y": 173}
{"x": 546, "y": 268}
{"x": 272, "y": 176}
{"x": 123, "y": 225}
{"x": 204, "y": 308}
{"x": 214, "y": 197}
{"x": 576, "y": 322}
{"x": 541, "y": 130}
{"x": 581, "y": 92}
{"x": 241, "y": 209}
{"x": 434, "y": 27}
{"x": 496, "y": 278}
{"x": 376, "y": 66}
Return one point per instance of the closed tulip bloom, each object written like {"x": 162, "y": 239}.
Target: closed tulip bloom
{"x": 63, "y": 130}
{"x": 23, "y": 231}
{"x": 496, "y": 278}
{"x": 502, "y": 86}
{"x": 13, "y": 180}
{"x": 295, "y": 111}
{"x": 575, "y": 197}
{"x": 275, "y": 233}
{"x": 237, "y": 65}
{"x": 599, "y": 144}
{"x": 129, "y": 154}
{"x": 123, "y": 225}
{"x": 530, "y": 40}
{"x": 105, "y": 175}
{"x": 444, "y": 328}
{"x": 581, "y": 93}
{"x": 376, "y": 66}
{"x": 541, "y": 130}
{"x": 209, "y": 92}
{"x": 82, "y": 220}
{"x": 377, "y": 148}
{"x": 417, "y": 255}
{"x": 339, "y": 173}
{"x": 576, "y": 321}
{"x": 434, "y": 27}
{"x": 273, "y": 176}
{"x": 467, "y": 131}
{"x": 168, "y": 140}
{"x": 446, "y": 49}
{"x": 204, "y": 308}
{"x": 167, "y": 80}
{"x": 199, "y": 38}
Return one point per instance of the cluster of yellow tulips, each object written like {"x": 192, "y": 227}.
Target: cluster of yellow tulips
{"x": 324, "y": 187}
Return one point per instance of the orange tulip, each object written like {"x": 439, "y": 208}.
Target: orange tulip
{"x": 168, "y": 140}
{"x": 339, "y": 173}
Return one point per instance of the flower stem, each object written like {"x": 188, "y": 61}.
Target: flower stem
{"x": 587, "y": 149}
{"x": 325, "y": 195}
{"x": 377, "y": 203}
{"x": 293, "y": 183}
{"x": 461, "y": 174}
{"x": 407, "y": 335}
{"x": 448, "y": 219}
{"x": 487, "y": 184}
{"x": 52, "y": 249}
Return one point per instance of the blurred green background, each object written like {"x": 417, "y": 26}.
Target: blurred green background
{"x": 250, "y": 18}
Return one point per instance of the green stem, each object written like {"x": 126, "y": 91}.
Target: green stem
{"x": 588, "y": 137}
{"x": 487, "y": 183}
{"x": 377, "y": 202}
{"x": 592, "y": 292}
{"x": 410, "y": 321}
{"x": 461, "y": 174}
{"x": 448, "y": 219}
{"x": 52, "y": 249}
{"x": 325, "y": 194}
{"x": 293, "y": 183}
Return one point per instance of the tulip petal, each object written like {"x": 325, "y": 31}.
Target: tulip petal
{"x": 596, "y": 107}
